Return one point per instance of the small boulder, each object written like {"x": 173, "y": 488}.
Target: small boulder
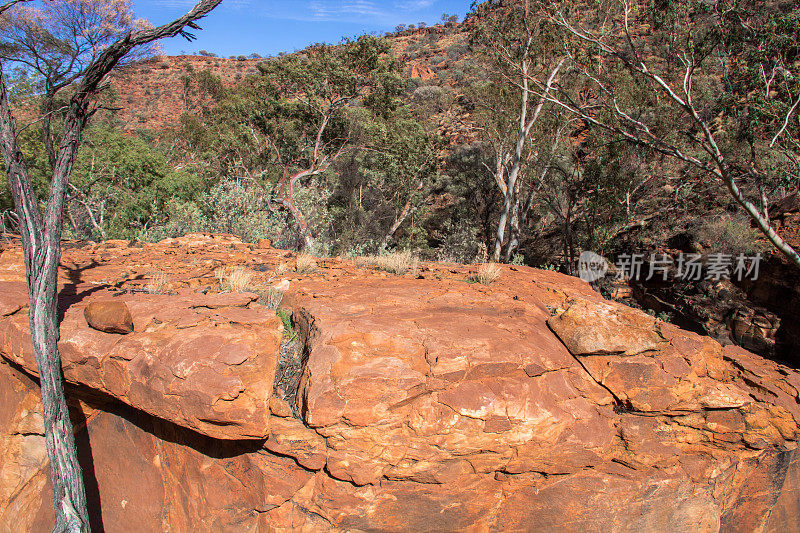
{"x": 605, "y": 328}
{"x": 264, "y": 244}
{"x": 109, "y": 317}
{"x": 280, "y": 407}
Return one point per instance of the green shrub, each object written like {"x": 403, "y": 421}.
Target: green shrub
{"x": 127, "y": 182}
{"x": 180, "y": 218}
{"x": 286, "y": 317}
{"x": 732, "y": 235}
{"x": 241, "y": 208}
{"x": 456, "y": 51}
{"x": 459, "y": 244}
{"x": 428, "y": 93}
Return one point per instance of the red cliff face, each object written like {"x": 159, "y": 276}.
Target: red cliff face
{"x": 423, "y": 402}
{"x": 152, "y": 94}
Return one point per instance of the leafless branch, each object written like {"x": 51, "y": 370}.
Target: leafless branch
{"x": 785, "y": 123}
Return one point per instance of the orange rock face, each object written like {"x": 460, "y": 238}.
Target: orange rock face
{"x": 422, "y": 403}
{"x": 422, "y": 71}
{"x": 204, "y": 362}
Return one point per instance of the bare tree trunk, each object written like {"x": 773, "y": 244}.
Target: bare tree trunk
{"x": 407, "y": 210}
{"x": 396, "y": 225}
{"x": 501, "y": 228}
{"x": 47, "y": 133}
{"x": 42, "y": 254}
{"x": 286, "y": 188}
{"x": 513, "y": 241}
{"x": 522, "y": 136}
{"x": 41, "y": 244}
{"x": 65, "y": 471}
{"x": 73, "y": 223}
{"x": 288, "y": 203}
{"x": 569, "y": 254}
{"x": 761, "y": 221}
{"x": 97, "y": 226}
{"x": 764, "y": 201}
{"x": 513, "y": 173}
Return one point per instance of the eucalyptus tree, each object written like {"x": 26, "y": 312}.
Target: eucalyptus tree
{"x": 103, "y": 33}
{"x": 712, "y": 84}
{"x": 288, "y": 127}
{"x": 517, "y": 50}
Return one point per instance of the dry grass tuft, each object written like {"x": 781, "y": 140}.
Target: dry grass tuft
{"x": 305, "y": 264}
{"x": 270, "y": 297}
{"x": 157, "y": 284}
{"x": 398, "y": 263}
{"x": 281, "y": 269}
{"x": 487, "y": 274}
{"x": 240, "y": 279}
{"x": 236, "y": 280}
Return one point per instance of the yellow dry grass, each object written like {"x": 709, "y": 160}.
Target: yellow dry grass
{"x": 281, "y": 269}
{"x": 396, "y": 263}
{"x": 157, "y": 284}
{"x": 305, "y": 263}
{"x": 237, "y": 279}
{"x": 240, "y": 279}
{"x": 487, "y": 274}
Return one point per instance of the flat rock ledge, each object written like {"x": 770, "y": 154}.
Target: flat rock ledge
{"x": 204, "y": 362}
{"x": 423, "y": 403}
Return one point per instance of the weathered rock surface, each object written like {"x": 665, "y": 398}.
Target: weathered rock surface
{"x": 205, "y": 362}
{"x": 588, "y": 328}
{"x": 423, "y": 404}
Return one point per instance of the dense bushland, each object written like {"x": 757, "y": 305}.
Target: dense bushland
{"x": 337, "y": 150}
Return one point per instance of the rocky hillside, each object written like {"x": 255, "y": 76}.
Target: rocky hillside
{"x": 416, "y": 402}
{"x": 152, "y": 94}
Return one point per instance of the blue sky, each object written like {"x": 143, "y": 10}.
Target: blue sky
{"x": 271, "y": 26}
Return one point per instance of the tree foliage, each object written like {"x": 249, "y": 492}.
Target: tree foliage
{"x": 308, "y": 117}
{"x": 109, "y": 166}
{"x": 711, "y": 84}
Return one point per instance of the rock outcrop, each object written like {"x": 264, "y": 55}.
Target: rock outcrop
{"x": 205, "y": 362}
{"x": 422, "y": 403}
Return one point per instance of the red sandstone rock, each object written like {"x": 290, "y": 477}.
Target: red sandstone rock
{"x": 22, "y": 451}
{"x": 588, "y": 328}
{"x": 13, "y": 297}
{"x": 203, "y": 362}
{"x": 143, "y": 473}
{"x": 109, "y": 317}
{"x": 419, "y": 70}
{"x": 426, "y": 404}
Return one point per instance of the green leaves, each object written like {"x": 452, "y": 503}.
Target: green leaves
{"x": 126, "y": 182}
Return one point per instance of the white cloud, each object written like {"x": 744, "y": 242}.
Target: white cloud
{"x": 413, "y": 5}
{"x": 337, "y": 9}
{"x": 382, "y": 12}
